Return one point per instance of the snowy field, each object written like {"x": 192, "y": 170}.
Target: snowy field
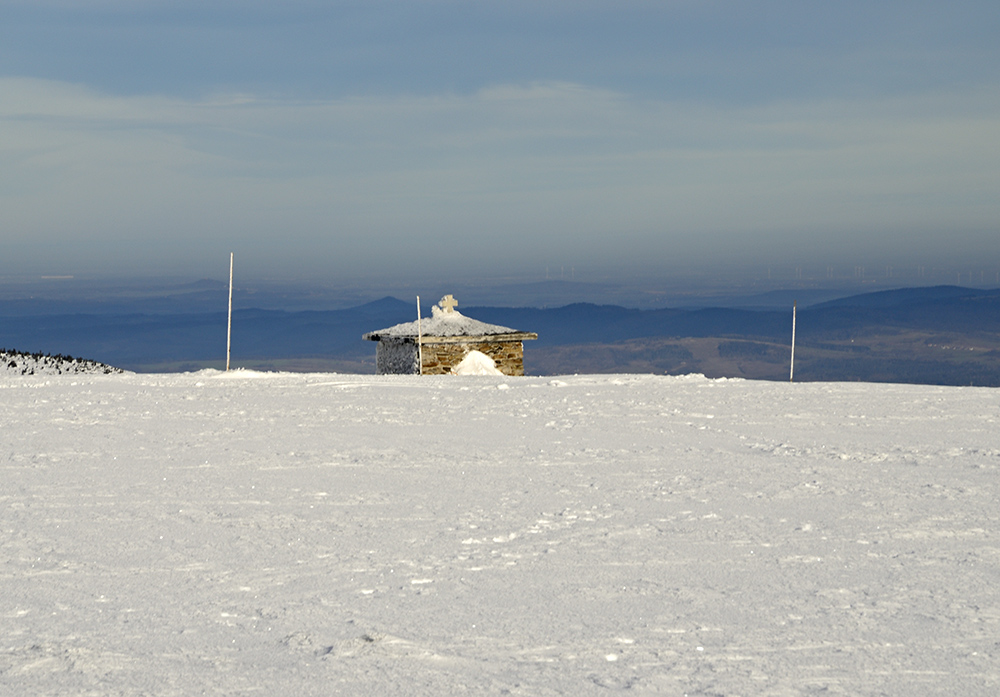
{"x": 243, "y": 533}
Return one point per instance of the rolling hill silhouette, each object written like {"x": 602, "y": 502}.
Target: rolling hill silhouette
{"x": 937, "y": 335}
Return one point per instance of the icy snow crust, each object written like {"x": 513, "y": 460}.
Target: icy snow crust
{"x": 324, "y": 534}
{"x": 442, "y": 324}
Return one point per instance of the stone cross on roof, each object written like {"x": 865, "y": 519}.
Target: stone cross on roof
{"x": 448, "y": 303}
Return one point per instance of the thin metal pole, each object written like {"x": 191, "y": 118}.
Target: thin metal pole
{"x": 420, "y": 342}
{"x": 229, "y": 328}
{"x": 791, "y": 370}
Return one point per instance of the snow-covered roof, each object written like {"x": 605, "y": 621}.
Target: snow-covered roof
{"x": 451, "y": 324}
{"x": 447, "y": 322}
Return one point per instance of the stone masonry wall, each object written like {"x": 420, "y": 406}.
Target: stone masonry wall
{"x": 439, "y": 359}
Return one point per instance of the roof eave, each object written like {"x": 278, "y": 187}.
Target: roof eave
{"x": 431, "y": 339}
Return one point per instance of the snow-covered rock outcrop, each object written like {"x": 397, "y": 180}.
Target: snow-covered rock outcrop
{"x": 18, "y": 363}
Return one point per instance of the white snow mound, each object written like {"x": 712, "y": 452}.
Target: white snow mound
{"x": 476, "y": 363}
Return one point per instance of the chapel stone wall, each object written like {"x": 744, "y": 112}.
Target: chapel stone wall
{"x": 439, "y": 359}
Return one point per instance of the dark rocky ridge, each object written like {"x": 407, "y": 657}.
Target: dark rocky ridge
{"x": 19, "y": 363}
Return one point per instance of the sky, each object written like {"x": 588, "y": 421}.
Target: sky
{"x": 438, "y": 138}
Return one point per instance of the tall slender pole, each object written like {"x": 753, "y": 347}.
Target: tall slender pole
{"x": 420, "y": 342}
{"x": 791, "y": 370}
{"x": 229, "y": 328}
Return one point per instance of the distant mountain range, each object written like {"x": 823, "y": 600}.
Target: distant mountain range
{"x": 937, "y": 335}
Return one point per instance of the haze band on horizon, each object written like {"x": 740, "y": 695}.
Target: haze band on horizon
{"x": 394, "y": 139}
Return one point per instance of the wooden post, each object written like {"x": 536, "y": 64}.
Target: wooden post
{"x": 229, "y": 328}
{"x": 791, "y": 370}
{"x": 420, "y": 342}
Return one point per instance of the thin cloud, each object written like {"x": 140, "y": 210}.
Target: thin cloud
{"x": 543, "y": 166}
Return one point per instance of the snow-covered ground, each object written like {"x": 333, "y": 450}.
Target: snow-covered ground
{"x": 315, "y": 534}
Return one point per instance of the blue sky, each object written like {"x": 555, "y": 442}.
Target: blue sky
{"x": 439, "y": 138}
